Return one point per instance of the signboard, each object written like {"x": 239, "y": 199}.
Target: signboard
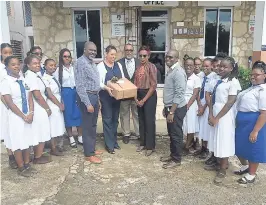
{"x": 154, "y": 3}
{"x": 251, "y": 23}
{"x": 187, "y": 30}
{"x": 118, "y": 25}
{"x": 85, "y": 4}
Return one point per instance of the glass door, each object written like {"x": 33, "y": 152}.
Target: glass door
{"x": 154, "y": 34}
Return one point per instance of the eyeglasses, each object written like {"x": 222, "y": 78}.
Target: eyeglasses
{"x": 142, "y": 56}
{"x": 129, "y": 50}
{"x": 170, "y": 57}
{"x": 66, "y": 56}
{"x": 38, "y": 54}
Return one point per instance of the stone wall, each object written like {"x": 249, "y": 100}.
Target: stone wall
{"x": 242, "y": 38}
{"x": 52, "y": 27}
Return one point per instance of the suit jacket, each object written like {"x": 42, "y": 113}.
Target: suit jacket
{"x": 123, "y": 63}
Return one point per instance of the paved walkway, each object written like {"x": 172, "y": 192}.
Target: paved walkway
{"x": 126, "y": 178}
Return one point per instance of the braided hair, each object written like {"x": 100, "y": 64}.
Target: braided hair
{"x": 260, "y": 65}
{"x": 61, "y": 64}
{"x": 233, "y": 63}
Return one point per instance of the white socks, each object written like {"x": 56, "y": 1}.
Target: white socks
{"x": 80, "y": 139}
{"x": 72, "y": 140}
{"x": 250, "y": 177}
{"x": 243, "y": 168}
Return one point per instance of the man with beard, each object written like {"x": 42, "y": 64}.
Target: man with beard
{"x": 88, "y": 86}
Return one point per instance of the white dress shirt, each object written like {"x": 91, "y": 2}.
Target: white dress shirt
{"x": 68, "y": 80}
{"x": 130, "y": 66}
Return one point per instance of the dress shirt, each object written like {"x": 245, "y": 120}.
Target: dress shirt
{"x": 68, "y": 80}
{"x": 130, "y": 65}
{"x": 87, "y": 78}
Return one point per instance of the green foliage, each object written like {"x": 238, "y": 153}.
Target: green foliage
{"x": 244, "y": 78}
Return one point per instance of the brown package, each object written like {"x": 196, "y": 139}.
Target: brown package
{"x": 123, "y": 89}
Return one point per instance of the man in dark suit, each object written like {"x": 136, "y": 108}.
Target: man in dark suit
{"x": 129, "y": 64}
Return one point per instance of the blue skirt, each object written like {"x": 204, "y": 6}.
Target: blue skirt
{"x": 253, "y": 152}
{"x": 72, "y": 113}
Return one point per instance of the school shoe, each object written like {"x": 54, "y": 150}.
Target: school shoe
{"x": 212, "y": 167}
{"x": 221, "y": 174}
{"x": 24, "y": 172}
{"x": 166, "y": 159}
{"x": 80, "y": 141}
{"x": 212, "y": 160}
{"x": 140, "y": 148}
{"x": 93, "y": 159}
{"x": 203, "y": 154}
{"x": 30, "y": 168}
{"x": 110, "y": 151}
{"x": 13, "y": 163}
{"x": 245, "y": 180}
{"x": 42, "y": 160}
{"x": 73, "y": 145}
{"x": 126, "y": 139}
{"x": 171, "y": 164}
{"x": 56, "y": 152}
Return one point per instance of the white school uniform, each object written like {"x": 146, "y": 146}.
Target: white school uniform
{"x": 201, "y": 74}
{"x": 68, "y": 80}
{"x": 57, "y": 124}
{"x": 41, "y": 123}
{"x": 222, "y": 140}
{"x": 20, "y": 132}
{"x": 204, "y": 127}
{"x": 3, "y": 109}
{"x": 191, "y": 122}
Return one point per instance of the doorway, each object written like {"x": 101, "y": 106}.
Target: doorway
{"x": 154, "y": 33}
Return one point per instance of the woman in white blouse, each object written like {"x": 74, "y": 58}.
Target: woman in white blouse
{"x": 250, "y": 125}
{"x": 65, "y": 76}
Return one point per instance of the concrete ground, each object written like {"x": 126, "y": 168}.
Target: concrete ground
{"x": 126, "y": 178}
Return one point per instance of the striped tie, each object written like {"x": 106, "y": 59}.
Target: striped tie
{"x": 23, "y": 96}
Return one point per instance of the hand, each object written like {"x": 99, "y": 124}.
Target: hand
{"x": 164, "y": 115}
{"x": 49, "y": 112}
{"x": 109, "y": 90}
{"x": 61, "y": 107}
{"x": 188, "y": 106}
{"x": 201, "y": 111}
{"x": 253, "y": 137}
{"x": 170, "y": 118}
{"x": 141, "y": 103}
{"x": 29, "y": 118}
{"x": 213, "y": 121}
{"x": 90, "y": 109}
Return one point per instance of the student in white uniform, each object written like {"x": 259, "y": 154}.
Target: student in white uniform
{"x": 203, "y": 111}
{"x": 191, "y": 122}
{"x": 251, "y": 125}
{"x": 54, "y": 101}
{"x": 222, "y": 114}
{"x": 66, "y": 77}
{"x": 6, "y": 51}
{"x": 37, "y": 51}
{"x": 42, "y": 111}
{"x": 19, "y": 100}
{"x": 198, "y": 67}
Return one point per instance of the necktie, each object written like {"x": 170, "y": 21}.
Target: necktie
{"x": 202, "y": 87}
{"x": 42, "y": 71}
{"x": 23, "y": 96}
{"x": 58, "y": 84}
{"x": 130, "y": 68}
{"x": 214, "y": 91}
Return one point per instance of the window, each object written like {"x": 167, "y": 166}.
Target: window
{"x": 8, "y": 8}
{"x": 27, "y": 13}
{"x": 87, "y": 25}
{"x": 17, "y": 49}
{"x": 31, "y": 40}
{"x": 218, "y": 23}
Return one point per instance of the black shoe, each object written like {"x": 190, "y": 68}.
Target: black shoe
{"x": 239, "y": 172}
{"x": 166, "y": 159}
{"x": 126, "y": 139}
{"x": 203, "y": 154}
{"x": 212, "y": 160}
{"x": 171, "y": 164}
{"x": 110, "y": 151}
{"x": 13, "y": 164}
{"x": 117, "y": 147}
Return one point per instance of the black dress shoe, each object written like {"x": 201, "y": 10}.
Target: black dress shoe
{"x": 110, "y": 151}
{"x": 117, "y": 147}
{"x": 166, "y": 159}
{"x": 171, "y": 164}
{"x": 126, "y": 139}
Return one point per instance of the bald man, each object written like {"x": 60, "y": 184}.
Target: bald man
{"x": 175, "y": 107}
{"x": 88, "y": 86}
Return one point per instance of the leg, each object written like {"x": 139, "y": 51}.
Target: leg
{"x": 190, "y": 139}
{"x": 54, "y": 150}
{"x": 38, "y": 157}
{"x": 79, "y": 129}
{"x": 125, "y": 120}
{"x": 115, "y": 117}
{"x": 11, "y": 159}
{"x": 221, "y": 174}
{"x": 134, "y": 111}
{"x": 26, "y": 156}
{"x": 20, "y": 162}
{"x": 253, "y": 167}
{"x": 72, "y": 141}
{"x": 251, "y": 175}
{"x": 141, "y": 126}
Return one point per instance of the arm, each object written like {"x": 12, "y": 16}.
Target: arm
{"x": 80, "y": 79}
{"x": 52, "y": 97}
{"x": 260, "y": 122}
{"x": 13, "y": 107}
{"x": 38, "y": 97}
{"x": 153, "y": 82}
{"x": 229, "y": 104}
{"x": 193, "y": 97}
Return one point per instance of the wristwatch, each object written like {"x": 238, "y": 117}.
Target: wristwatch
{"x": 171, "y": 113}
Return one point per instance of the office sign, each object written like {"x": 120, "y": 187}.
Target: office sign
{"x": 154, "y": 3}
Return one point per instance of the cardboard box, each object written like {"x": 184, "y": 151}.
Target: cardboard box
{"x": 123, "y": 89}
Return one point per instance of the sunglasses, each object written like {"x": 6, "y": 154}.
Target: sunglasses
{"x": 66, "y": 56}
{"x": 129, "y": 50}
{"x": 142, "y": 56}
{"x": 170, "y": 57}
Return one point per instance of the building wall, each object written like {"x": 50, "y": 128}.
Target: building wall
{"x": 53, "y": 30}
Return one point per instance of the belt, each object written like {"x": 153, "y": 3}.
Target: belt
{"x": 92, "y": 92}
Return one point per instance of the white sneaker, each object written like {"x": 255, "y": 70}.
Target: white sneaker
{"x": 80, "y": 139}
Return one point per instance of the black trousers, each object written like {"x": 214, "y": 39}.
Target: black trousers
{"x": 176, "y": 132}
{"x": 89, "y": 125}
{"x": 146, "y": 115}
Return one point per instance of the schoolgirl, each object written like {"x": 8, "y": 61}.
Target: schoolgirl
{"x": 6, "y": 51}
{"x": 37, "y": 51}
{"x": 19, "y": 100}
{"x": 222, "y": 115}
{"x": 203, "y": 111}
{"x": 57, "y": 125}
{"x": 250, "y": 125}
{"x": 42, "y": 111}
{"x": 191, "y": 123}
{"x": 198, "y": 67}
{"x": 65, "y": 76}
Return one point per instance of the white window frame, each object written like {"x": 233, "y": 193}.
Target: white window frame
{"x": 167, "y": 39}
{"x": 101, "y": 29}
{"x": 231, "y": 29}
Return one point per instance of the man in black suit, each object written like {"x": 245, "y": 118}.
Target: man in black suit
{"x": 129, "y": 64}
